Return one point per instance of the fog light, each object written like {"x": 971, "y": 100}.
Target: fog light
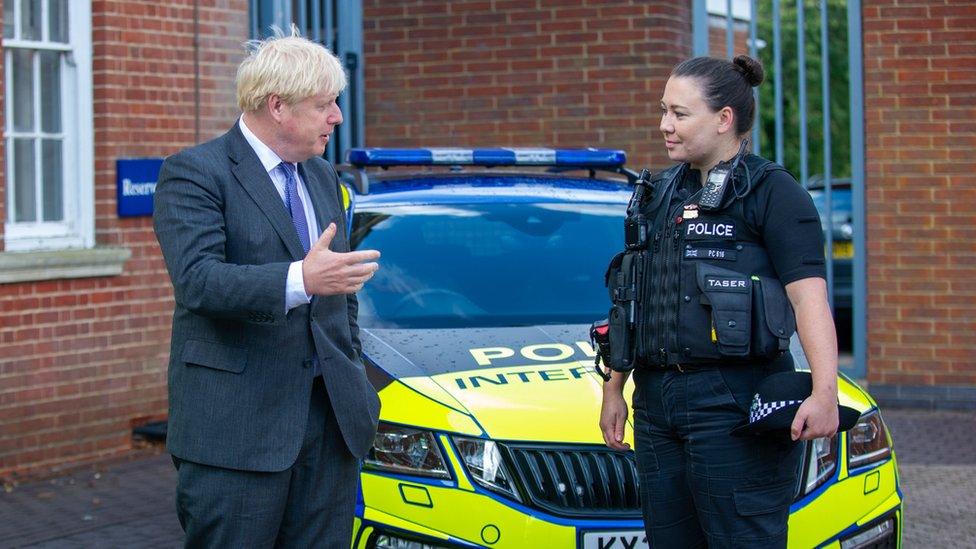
{"x": 874, "y": 534}
{"x": 389, "y": 541}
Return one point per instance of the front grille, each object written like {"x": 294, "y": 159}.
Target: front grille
{"x": 578, "y": 481}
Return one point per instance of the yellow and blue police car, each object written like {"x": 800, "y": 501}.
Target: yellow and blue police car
{"x": 474, "y": 333}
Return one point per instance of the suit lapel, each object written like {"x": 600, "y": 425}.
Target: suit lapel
{"x": 250, "y": 173}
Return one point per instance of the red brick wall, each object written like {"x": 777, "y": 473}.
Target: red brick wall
{"x": 920, "y": 107}
{"x": 83, "y": 360}
{"x": 513, "y": 73}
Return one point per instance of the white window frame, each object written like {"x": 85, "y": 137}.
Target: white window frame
{"x": 77, "y": 229}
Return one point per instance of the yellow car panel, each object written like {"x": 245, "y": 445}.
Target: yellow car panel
{"x": 466, "y": 515}
{"x": 822, "y": 517}
{"x": 519, "y": 394}
{"x": 404, "y": 405}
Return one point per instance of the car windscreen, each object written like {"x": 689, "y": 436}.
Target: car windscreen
{"x": 487, "y": 264}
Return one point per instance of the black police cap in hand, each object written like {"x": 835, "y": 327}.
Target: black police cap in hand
{"x": 776, "y": 401}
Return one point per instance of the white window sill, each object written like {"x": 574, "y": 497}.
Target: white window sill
{"x": 49, "y": 265}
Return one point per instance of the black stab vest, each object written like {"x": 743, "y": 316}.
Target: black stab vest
{"x": 706, "y": 288}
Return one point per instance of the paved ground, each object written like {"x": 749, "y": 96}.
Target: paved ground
{"x": 937, "y": 460}
{"x": 130, "y": 504}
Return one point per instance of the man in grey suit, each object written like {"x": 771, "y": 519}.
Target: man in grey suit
{"x": 270, "y": 410}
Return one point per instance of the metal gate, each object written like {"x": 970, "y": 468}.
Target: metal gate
{"x": 794, "y": 38}
{"x": 338, "y": 25}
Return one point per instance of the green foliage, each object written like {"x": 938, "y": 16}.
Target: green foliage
{"x": 839, "y": 90}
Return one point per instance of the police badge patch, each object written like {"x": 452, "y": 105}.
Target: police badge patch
{"x": 709, "y": 229}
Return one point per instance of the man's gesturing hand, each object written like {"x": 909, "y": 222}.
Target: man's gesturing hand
{"x": 332, "y": 273}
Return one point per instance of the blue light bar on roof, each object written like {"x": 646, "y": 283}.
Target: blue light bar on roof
{"x": 577, "y": 158}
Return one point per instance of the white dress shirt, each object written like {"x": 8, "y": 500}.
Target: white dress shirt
{"x": 295, "y": 285}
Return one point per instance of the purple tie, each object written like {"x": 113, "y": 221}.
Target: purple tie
{"x": 294, "y": 204}
{"x": 297, "y": 210}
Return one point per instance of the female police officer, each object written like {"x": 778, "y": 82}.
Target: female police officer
{"x": 714, "y": 320}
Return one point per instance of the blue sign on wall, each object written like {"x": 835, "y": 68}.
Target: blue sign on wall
{"x": 136, "y": 184}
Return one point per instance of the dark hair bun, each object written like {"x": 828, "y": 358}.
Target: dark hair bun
{"x": 750, "y": 68}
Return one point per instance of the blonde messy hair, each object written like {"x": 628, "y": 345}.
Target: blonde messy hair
{"x": 292, "y": 67}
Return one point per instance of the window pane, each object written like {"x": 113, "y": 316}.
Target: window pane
{"x": 8, "y": 18}
{"x": 23, "y": 86}
{"x": 50, "y": 91}
{"x": 51, "y": 188}
{"x": 58, "y": 17}
{"x": 296, "y": 13}
{"x": 30, "y": 20}
{"x": 266, "y": 17}
{"x": 24, "y": 194}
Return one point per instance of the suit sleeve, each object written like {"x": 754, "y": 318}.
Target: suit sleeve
{"x": 190, "y": 226}
{"x": 353, "y": 306}
{"x": 352, "y": 302}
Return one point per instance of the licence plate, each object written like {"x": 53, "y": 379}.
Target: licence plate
{"x": 843, "y": 250}
{"x": 627, "y": 539}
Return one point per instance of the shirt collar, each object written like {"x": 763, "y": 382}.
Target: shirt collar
{"x": 269, "y": 159}
{"x": 691, "y": 180}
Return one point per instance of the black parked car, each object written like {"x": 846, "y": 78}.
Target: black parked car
{"x": 842, "y": 227}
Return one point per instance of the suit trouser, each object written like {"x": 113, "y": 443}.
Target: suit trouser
{"x": 700, "y": 486}
{"x": 310, "y": 504}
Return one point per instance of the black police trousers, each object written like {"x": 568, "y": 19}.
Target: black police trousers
{"x": 700, "y": 486}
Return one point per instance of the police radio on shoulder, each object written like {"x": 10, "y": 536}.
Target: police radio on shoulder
{"x": 719, "y": 180}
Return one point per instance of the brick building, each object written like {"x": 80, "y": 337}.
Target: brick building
{"x": 919, "y": 78}
{"x": 85, "y": 302}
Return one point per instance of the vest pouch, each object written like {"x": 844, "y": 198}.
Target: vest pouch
{"x": 729, "y": 295}
{"x": 621, "y": 279}
{"x": 611, "y": 276}
{"x": 773, "y": 319}
{"x": 621, "y": 340}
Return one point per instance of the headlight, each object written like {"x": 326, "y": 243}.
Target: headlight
{"x": 821, "y": 462}
{"x": 868, "y": 441}
{"x": 847, "y": 231}
{"x": 406, "y": 450}
{"x": 484, "y": 463}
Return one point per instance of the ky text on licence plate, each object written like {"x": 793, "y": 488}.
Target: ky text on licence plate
{"x": 843, "y": 249}
{"x": 626, "y": 539}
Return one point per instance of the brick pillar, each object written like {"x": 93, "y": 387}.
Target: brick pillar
{"x": 919, "y": 83}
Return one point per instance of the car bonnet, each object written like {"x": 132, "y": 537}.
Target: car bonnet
{"x": 526, "y": 383}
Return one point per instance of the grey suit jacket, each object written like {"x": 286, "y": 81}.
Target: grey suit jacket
{"x": 240, "y": 369}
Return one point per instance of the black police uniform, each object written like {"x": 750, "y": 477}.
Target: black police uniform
{"x": 714, "y": 321}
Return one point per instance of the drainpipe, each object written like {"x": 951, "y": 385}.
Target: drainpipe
{"x": 196, "y": 71}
